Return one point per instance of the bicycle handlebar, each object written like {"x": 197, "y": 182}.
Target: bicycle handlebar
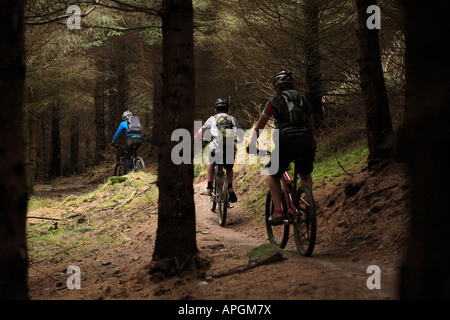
{"x": 258, "y": 151}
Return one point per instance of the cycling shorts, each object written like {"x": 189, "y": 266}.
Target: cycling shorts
{"x": 220, "y": 157}
{"x": 304, "y": 159}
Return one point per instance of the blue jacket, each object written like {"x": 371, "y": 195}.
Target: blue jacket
{"x": 122, "y": 127}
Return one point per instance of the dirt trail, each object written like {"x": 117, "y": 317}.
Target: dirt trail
{"x": 328, "y": 274}
{"x": 337, "y": 269}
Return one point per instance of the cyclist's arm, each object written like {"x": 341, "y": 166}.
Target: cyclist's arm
{"x": 206, "y": 126}
{"x": 262, "y": 121}
{"x": 238, "y": 132}
{"x": 119, "y": 130}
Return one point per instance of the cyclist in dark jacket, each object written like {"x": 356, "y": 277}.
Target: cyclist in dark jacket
{"x": 290, "y": 148}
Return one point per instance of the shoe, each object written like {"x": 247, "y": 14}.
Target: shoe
{"x": 231, "y": 195}
{"x": 207, "y": 192}
{"x": 276, "y": 219}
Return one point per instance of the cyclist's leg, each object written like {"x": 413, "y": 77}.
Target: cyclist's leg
{"x": 275, "y": 192}
{"x": 230, "y": 174}
{"x": 306, "y": 180}
{"x": 229, "y": 165}
{"x": 305, "y": 167}
{"x": 209, "y": 175}
{"x": 127, "y": 165}
{"x": 275, "y": 187}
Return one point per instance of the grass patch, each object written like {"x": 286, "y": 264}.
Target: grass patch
{"x": 93, "y": 220}
{"x": 330, "y": 167}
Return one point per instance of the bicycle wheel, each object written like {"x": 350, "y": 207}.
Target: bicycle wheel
{"x": 119, "y": 169}
{"x": 278, "y": 235}
{"x": 306, "y": 223}
{"x": 222, "y": 200}
{"x": 212, "y": 197}
{"x": 139, "y": 164}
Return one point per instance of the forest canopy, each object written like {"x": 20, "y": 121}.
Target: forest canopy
{"x": 80, "y": 80}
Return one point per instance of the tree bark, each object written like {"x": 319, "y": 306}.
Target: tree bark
{"x": 425, "y": 271}
{"x": 74, "y": 143}
{"x": 378, "y": 117}
{"x": 99, "y": 104}
{"x": 13, "y": 188}
{"x": 121, "y": 91}
{"x": 55, "y": 168}
{"x": 157, "y": 109}
{"x": 31, "y": 132}
{"x": 312, "y": 56}
{"x": 176, "y": 209}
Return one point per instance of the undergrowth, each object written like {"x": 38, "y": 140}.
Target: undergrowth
{"x": 91, "y": 221}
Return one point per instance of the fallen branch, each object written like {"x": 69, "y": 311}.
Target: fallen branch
{"x": 277, "y": 256}
{"x": 340, "y": 165}
{"x": 126, "y": 201}
{"x": 43, "y": 218}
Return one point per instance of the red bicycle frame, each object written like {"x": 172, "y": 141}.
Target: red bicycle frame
{"x": 290, "y": 188}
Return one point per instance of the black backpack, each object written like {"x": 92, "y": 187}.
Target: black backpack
{"x": 297, "y": 108}
{"x": 292, "y": 115}
{"x": 134, "y": 125}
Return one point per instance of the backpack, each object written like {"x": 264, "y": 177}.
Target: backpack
{"x": 225, "y": 126}
{"x": 298, "y": 111}
{"x": 134, "y": 125}
{"x": 292, "y": 120}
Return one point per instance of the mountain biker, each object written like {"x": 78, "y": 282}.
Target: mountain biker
{"x": 294, "y": 142}
{"x": 218, "y": 145}
{"x": 133, "y": 140}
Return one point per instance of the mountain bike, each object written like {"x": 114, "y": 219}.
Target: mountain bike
{"x": 299, "y": 210}
{"x": 136, "y": 163}
{"x": 219, "y": 196}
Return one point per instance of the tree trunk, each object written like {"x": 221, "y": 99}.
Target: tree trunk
{"x": 31, "y": 132}
{"x": 425, "y": 271}
{"x": 55, "y": 168}
{"x": 74, "y": 144}
{"x": 312, "y": 56}
{"x": 157, "y": 109}
{"x": 99, "y": 104}
{"x": 378, "y": 117}
{"x": 176, "y": 209}
{"x": 121, "y": 93}
{"x": 13, "y": 188}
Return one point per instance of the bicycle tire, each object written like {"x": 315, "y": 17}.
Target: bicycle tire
{"x": 139, "y": 164}
{"x": 212, "y": 197}
{"x": 119, "y": 169}
{"x": 278, "y": 235}
{"x": 222, "y": 201}
{"x": 306, "y": 224}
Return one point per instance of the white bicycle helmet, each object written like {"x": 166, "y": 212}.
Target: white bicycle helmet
{"x": 126, "y": 115}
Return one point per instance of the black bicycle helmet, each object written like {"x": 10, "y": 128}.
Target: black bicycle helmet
{"x": 221, "y": 105}
{"x": 283, "y": 79}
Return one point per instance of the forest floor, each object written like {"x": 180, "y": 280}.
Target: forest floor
{"x": 362, "y": 221}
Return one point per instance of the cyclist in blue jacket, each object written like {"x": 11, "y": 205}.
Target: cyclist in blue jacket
{"x": 133, "y": 140}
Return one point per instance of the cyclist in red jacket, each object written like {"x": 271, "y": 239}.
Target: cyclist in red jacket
{"x": 296, "y": 140}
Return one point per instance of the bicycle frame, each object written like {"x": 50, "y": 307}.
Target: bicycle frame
{"x": 290, "y": 188}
